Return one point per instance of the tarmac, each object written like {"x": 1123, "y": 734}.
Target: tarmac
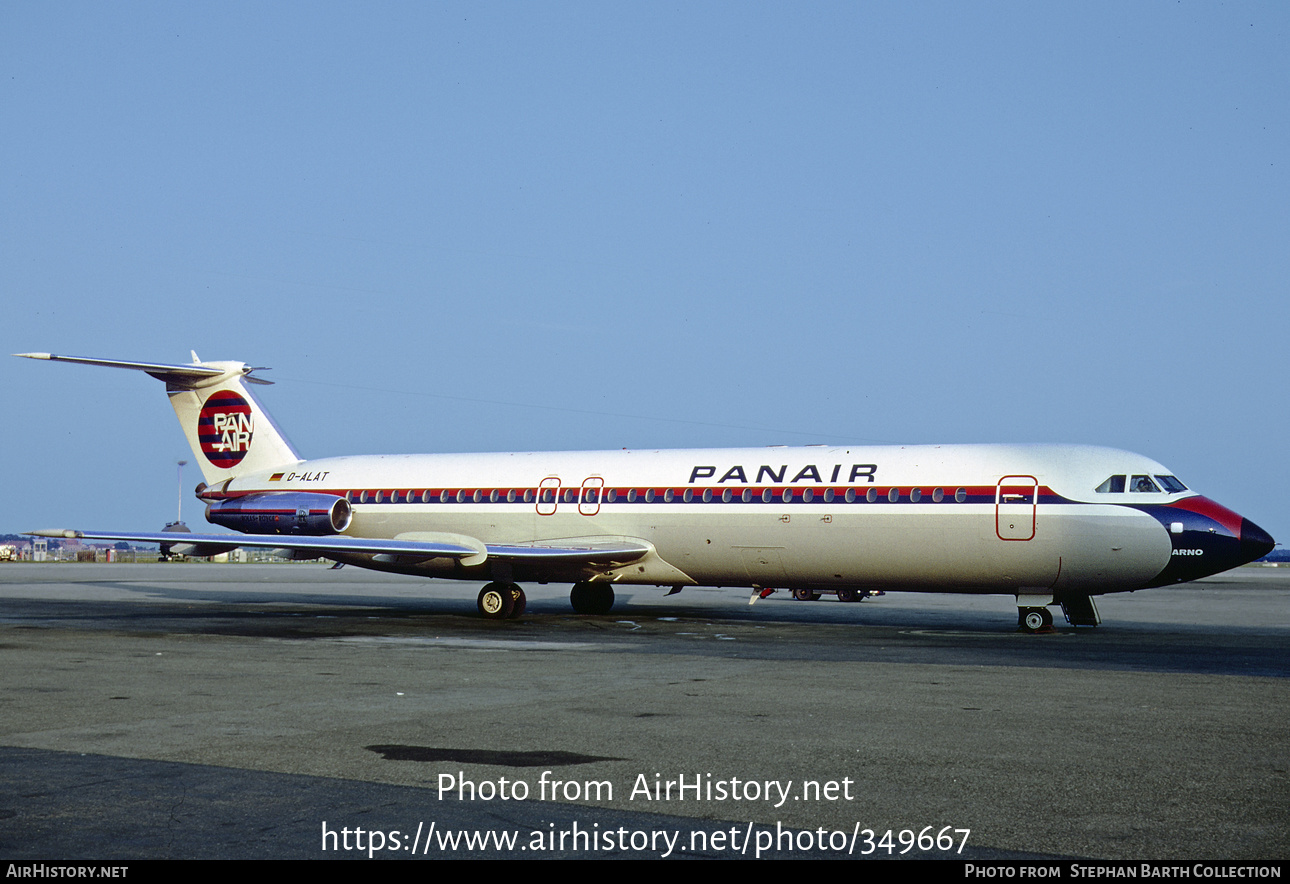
{"x": 292, "y": 711}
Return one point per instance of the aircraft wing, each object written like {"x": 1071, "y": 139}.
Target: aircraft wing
{"x": 591, "y": 551}
{"x": 617, "y": 551}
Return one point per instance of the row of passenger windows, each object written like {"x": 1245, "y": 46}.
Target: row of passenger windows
{"x": 1141, "y": 484}
{"x": 647, "y": 495}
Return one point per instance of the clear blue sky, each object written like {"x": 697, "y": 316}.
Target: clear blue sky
{"x": 456, "y": 227}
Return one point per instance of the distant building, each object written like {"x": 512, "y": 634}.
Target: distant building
{"x": 1277, "y": 556}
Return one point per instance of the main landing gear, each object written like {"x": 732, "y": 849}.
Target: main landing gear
{"x": 502, "y": 601}
{"x": 499, "y": 601}
{"x": 592, "y": 598}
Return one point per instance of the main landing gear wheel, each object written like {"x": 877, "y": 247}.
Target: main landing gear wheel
{"x": 592, "y": 598}
{"x": 849, "y": 595}
{"x": 1035, "y": 619}
{"x": 498, "y": 601}
{"x": 519, "y": 601}
{"x": 805, "y": 595}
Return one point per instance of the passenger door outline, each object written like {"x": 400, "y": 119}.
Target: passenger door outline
{"x": 1016, "y": 503}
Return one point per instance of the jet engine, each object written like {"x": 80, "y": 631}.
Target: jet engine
{"x": 282, "y": 512}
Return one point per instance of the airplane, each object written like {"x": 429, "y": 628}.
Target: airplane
{"x": 1047, "y": 524}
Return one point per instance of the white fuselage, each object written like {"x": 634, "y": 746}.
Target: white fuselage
{"x": 959, "y": 518}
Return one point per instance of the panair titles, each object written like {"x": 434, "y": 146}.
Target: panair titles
{"x": 225, "y": 427}
{"x": 234, "y": 431}
{"x": 769, "y": 475}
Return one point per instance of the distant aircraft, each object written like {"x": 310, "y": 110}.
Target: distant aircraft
{"x": 1048, "y": 524}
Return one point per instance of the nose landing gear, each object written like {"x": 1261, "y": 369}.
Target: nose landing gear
{"x": 1034, "y": 620}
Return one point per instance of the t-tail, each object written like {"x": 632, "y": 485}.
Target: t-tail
{"x": 230, "y": 432}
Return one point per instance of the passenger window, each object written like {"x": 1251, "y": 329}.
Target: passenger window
{"x": 1113, "y": 485}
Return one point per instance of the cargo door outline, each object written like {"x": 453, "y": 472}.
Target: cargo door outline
{"x": 764, "y": 564}
{"x": 1016, "y": 501}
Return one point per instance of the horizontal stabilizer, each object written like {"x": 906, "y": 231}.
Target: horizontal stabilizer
{"x": 175, "y": 374}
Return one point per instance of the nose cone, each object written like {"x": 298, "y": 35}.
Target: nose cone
{"x": 1207, "y": 538}
{"x": 1255, "y": 542}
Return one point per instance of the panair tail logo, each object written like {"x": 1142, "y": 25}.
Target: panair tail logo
{"x": 225, "y": 427}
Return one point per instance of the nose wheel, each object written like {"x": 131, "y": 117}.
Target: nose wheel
{"x": 1034, "y": 619}
{"x": 500, "y": 601}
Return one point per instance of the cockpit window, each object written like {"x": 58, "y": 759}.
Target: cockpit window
{"x": 1144, "y": 485}
{"x": 1113, "y": 485}
{"x": 1141, "y": 485}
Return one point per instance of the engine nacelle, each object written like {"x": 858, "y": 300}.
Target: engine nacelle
{"x": 282, "y": 512}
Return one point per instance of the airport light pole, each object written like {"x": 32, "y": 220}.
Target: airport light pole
{"x": 179, "y": 478}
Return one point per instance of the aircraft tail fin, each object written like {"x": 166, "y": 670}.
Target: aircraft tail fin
{"x": 228, "y": 429}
